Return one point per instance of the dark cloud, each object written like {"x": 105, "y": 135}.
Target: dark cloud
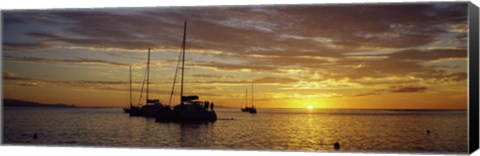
{"x": 395, "y": 89}
{"x": 358, "y": 25}
{"x": 226, "y": 66}
{"x": 13, "y": 20}
{"x": 123, "y": 85}
{"x": 10, "y": 46}
{"x": 211, "y": 76}
{"x": 429, "y": 55}
{"x": 305, "y": 61}
{"x": 87, "y": 83}
{"x": 400, "y": 64}
{"x": 7, "y": 75}
{"x": 442, "y": 76}
{"x": 20, "y": 80}
{"x": 238, "y": 29}
{"x": 280, "y": 80}
{"x": 73, "y": 61}
{"x": 42, "y": 35}
{"x": 32, "y": 83}
{"x": 368, "y": 94}
{"x": 403, "y": 89}
{"x": 266, "y": 38}
{"x": 13, "y": 76}
{"x": 263, "y": 80}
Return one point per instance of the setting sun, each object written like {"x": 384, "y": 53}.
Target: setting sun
{"x": 310, "y": 107}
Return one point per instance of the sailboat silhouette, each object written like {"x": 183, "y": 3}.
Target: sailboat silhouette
{"x": 251, "y": 109}
{"x": 152, "y": 107}
{"x": 190, "y": 108}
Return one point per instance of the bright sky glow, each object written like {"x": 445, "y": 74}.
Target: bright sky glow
{"x": 408, "y": 56}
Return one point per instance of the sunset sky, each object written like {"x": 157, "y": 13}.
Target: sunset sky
{"x": 402, "y": 56}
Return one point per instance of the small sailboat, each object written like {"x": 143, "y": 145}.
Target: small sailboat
{"x": 152, "y": 107}
{"x": 133, "y": 110}
{"x": 190, "y": 107}
{"x": 246, "y": 108}
{"x": 252, "y": 110}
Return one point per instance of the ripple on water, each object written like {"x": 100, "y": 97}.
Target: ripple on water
{"x": 270, "y": 129}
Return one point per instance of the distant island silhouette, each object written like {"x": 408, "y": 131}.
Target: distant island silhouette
{"x": 21, "y": 103}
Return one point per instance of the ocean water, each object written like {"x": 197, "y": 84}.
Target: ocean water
{"x": 269, "y": 129}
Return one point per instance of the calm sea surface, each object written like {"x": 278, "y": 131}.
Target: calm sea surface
{"x": 269, "y": 129}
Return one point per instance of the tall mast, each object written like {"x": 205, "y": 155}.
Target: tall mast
{"x": 130, "y": 67}
{"x": 183, "y": 60}
{"x": 252, "y": 95}
{"x": 148, "y": 71}
{"x": 246, "y": 95}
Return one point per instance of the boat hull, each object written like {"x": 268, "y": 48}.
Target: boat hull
{"x": 135, "y": 111}
{"x": 246, "y": 109}
{"x": 126, "y": 110}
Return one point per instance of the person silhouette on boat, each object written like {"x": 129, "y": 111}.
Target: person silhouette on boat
{"x": 205, "y": 105}
{"x": 211, "y": 106}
